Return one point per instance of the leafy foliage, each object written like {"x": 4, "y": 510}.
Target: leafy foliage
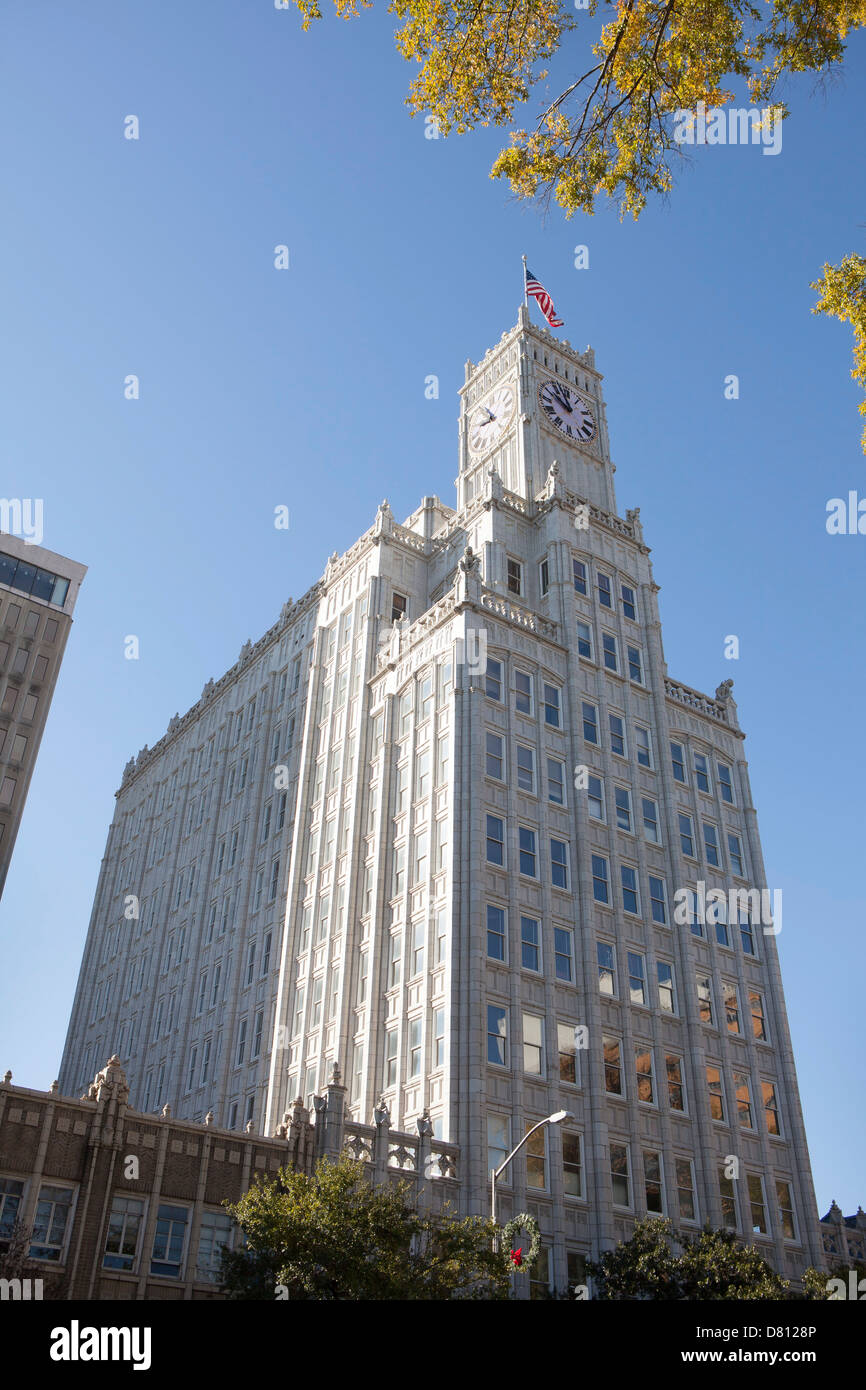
{"x": 842, "y": 290}
{"x": 333, "y": 1235}
{"x": 710, "y": 1266}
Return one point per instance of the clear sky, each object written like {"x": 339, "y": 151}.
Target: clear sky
{"x": 305, "y": 387}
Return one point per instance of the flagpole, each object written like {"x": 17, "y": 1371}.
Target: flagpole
{"x": 525, "y": 296}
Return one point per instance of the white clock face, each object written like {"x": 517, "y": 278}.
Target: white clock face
{"x": 565, "y": 409}
{"x": 490, "y": 419}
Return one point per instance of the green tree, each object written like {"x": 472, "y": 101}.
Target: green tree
{"x": 610, "y": 132}
{"x": 658, "y": 1263}
{"x": 334, "y": 1235}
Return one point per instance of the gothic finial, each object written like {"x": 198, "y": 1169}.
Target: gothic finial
{"x": 166, "y": 1111}
{"x": 208, "y": 1119}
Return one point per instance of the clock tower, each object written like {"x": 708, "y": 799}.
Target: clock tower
{"x": 531, "y": 401}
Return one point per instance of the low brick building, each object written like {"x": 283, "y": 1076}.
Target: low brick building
{"x": 116, "y": 1204}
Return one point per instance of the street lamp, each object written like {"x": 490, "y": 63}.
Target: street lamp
{"x": 556, "y": 1118}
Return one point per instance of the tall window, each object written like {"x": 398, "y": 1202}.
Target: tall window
{"x": 628, "y": 879}
{"x": 636, "y": 977}
{"x": 528, "y": 856}
{"x": 728, "y": 1200}
{"x": 702, "y": 773}
{"x": 617, "y": 735}
{"x": 600, "y": 879}
{"x": 658, "y": 900}
{"x": 584, "y": 640}
{"x": 121, "y": 1238}
{"x": 495, "y": 841}
{"x": 536, "y": 1158}
{"x": 714, "y": 1089}
{"x": 622, "y": 799}
{"x": 619, "y": 1175}
{"x": 743, "y": 1094}
{"x": 556, "y": 781}
{"x": 567, "y": 1049}
{"x": 678, "y": 762}
{"x": 732, "y": 1007}
{"x": 495, "y": 760}
{"x": 612, "y": 1065}
{"x": 786, "y": 1209}
{"x": 530, "y": 943}
{"x": 705, "y": 998}
{"x": 667, "y": 993}
{"x": 498, "y": 1142}
{"x": 653, "y": 1186}
{"x": 676, "y": 1090}
{"x": 497, "y": 1026}
{"x": 643, "y": 1063}
{"x": 493, "y": 679}
{"x": 579, "y": 574}
{"x": 572, "y": 1166}
{"x": 605, "y": 596}
{"x": 685, "y": 1189}
{"x": 215, "y": 1234}
{"x": 609, "y": 652}
{"x": 687, "y": 840}
{"x": 563, "y": 950}
{"x": 552, "y": 699}
{"x": 771, "y": 1108}
{"x": 522, "y": 692}
{"x": 533, "y": 1045}
{"x": 169, "y": 1241}
{"x": 628, "y": 601}
{"x": 495, "y": 932}
{"x": 756, "y": 1008}
{"x": 757, "y": 1209}
{"x": 606, "y": 968}
{"x": 590, "y": 723}
{"x": 515, "y": 577}
{"x": 725, "y": 785}
{"x": 526, "y": 768}
{"x": 559, "y": 864}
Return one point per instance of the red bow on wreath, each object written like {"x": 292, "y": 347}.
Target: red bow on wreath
{"x": 517, "y": 1257}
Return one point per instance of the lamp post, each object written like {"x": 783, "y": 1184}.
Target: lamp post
{"x": 556, "y": 1118}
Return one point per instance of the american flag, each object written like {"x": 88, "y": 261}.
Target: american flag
{"x": 545, "y": 303}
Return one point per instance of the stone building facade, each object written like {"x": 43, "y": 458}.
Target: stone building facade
{"x": 844, "y": 1237}
{"x": 38, "y": 590}
{"x": 117, "y": 1204}
{"x": 452, "y": 825}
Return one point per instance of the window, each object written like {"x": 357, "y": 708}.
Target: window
{"x": 628, "y": 879}
{"x": 711, "y": 844}
{"x": 650, "y": 813}
{"x": 628, "y": 601}
{"x": 544, "y": 576}
{"x": 756, "y": 1008}
{"x": 643, "y": 746}
{"x": 530, "y": 948}
{"x": 617, "y": 735}
{"x": 552, "y": 698}
{"x": 612, "y": 1065}
{"x": 515, "y": 577}
{"x": 496, "y": 1034}
{"x": 495, "y": 761}
{"x": 609, "y": 652}
{"x": 169, "y": 1241}
{"x": 605, "y": 596}
{"x": 556, "y": 781}
{"x": 438, "y": 1037}
{"x": 725, "y": 786}
{"x": 559, "y": 863}
{"x": 567, "y": 1048}
{"x": 414, "y": 1047}
{"x": 498, "y": 1142}
{"x": 786, "y": 1209}
{"x": 685, "y": 1189}
{"x": 600, "y": 879}
{"x": 584, "y": 640}
{"x": 743, "y": 1096}
{"x": 643, "y": 1065}
{"x": 528, "y": 857}
{"x": 495, "y": 933}
{"x": 390, "y": 1058}
{"x": 419, "y": 937}
{"x": 533, "y": 1045}
{"x": 563, "y": 953}
{"x": 259, "y": 1025}
{"x": 676, "y": 1090}
{"x": 121, "y": 1237}
{"x": 705, "y": 998}
{"x": 714, "y": 1089}
{"x": 526, "y": 768}
{"x": 495, "y": 841}
{"x": 735, "y": 854}
{"x": 622, "y": 797}
{"x": 652, "y": 1177}
{"x": 658, "y": 900}
{"x": 635, "y": 664}
{"x": 590, "y": 723}
{"x": 572, "y": 1184}
{"x": 619, "y": 1175}
{"x": 771, "y": 1108}
{"x": 522, "y": 692}
{"x": 702, "y": 773}
{"x": 242, "y": 1039}
{"x": 757, "y": 1209}
{"x": 728, "y": 1200}
{"x": 746, "y": 937}
{"x": 578, "y": 569}
{"x": 11, "y": 1196}
{"x": 536, "y": 1162}
{"x": 606, "y": 968}
{"x": 687, "y": 841}
{"x": 50, "y": 1222}
{"x": 398, "y": 607}
{"x": 636, "y": 977}
{"x": 493, "y": 679}
{"x": 732, "y": 1007}
{"x": 595, "y": 797}
{"x": 666, "y": 989}
{"x": 215, "y": 1234}
{"x": 395, "y": 959}
{"x": 678, "y": 762}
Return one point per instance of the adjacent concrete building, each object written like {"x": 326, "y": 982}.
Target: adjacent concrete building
{"x": 108, "y": 1203}
{"x": 38, "y": 590}
{"x": 452, "y": 825}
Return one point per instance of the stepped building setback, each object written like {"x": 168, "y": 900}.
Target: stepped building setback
{"x": 438, "y": 826}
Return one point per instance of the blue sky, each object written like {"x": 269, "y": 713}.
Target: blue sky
{"x": 306, "y": 388}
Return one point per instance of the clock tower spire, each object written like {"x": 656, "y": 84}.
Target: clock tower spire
{"x": 531, "y": 401}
